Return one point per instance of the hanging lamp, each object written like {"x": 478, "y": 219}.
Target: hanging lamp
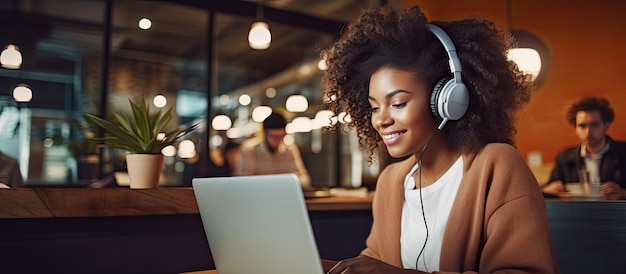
{"x": 259, "y": 36}
{"x": 11, "y": 57}
{"x": 528, "y": 59}
{"x": 22, "y": 93}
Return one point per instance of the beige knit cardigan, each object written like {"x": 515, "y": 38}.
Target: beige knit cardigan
{"x": 497, "y": 223}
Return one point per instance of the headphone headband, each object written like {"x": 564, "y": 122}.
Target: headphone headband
{"x": 450, "y": 98}
{"x": 448, "y": 45}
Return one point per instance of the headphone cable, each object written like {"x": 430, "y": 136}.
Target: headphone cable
{"x": 422, "y": 201}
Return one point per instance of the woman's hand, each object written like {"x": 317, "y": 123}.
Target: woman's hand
{"x": 364, "y": 264}
{"x": 328, "y": 264}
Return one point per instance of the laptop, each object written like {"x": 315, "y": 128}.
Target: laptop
{"x": 257, "y": 224}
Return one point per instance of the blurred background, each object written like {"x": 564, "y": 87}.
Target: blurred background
{"x": 91, "y": 56}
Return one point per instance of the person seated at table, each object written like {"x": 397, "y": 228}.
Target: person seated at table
{"x": 600, "y": 157}
{"x": 463, "y": 200}
{"x": 10, "y": 175}
{"x": 270, "y": 155}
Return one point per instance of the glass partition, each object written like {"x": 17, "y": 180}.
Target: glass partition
{"x": 61, "y": 55}
{"x": 159, "y": 53}
{"x": 187, "y": 57}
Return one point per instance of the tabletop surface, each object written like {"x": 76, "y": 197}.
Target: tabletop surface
{"x": 98, "y": 202}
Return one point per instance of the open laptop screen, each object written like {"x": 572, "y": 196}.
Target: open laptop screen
{"x": 257, "y": 224}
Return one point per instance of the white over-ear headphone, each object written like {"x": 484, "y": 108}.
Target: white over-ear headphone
{"x": 449, "y": 99}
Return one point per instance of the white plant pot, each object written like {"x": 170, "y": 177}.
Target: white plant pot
{"x": 144, "y": 170}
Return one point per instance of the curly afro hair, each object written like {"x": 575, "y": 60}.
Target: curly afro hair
{"x": 590, "y": 104}
{"x": 387, "y": 37}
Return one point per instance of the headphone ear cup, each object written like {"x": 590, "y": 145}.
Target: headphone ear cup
{"x": 434, "y": 97}
{"x": 449, "y": 100}
{"x": 454, "y": 100}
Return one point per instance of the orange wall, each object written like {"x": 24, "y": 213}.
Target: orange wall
{"x": 585, "y": 40}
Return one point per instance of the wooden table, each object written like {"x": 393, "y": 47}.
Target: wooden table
{"x": 159, "y": 230}
{"x": 92, "y": 202}
{"x": 113, "y": 230}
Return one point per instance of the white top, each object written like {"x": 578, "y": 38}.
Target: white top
{"x": 592, "y": 163}
{"x": 438, "y": 199}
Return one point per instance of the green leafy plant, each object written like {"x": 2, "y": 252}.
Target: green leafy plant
{"x": 141, "y": 133}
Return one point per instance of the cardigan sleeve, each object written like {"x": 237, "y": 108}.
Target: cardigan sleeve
{"x": 498, "y": 223}
{"x": 516, "y": 231}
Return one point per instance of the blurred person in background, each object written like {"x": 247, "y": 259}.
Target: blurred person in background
{"x": 268, "y": 154}
{"x": 602, "y": 158}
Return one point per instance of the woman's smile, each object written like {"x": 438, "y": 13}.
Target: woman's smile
{"x": 392, "y": 138}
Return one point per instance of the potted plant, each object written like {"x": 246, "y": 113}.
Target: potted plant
{"x": 143, "y": 135}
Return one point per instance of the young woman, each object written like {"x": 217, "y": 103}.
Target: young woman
{"x": 444, "y": 94}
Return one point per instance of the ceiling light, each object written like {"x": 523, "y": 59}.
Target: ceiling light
{"x": 22, "y": 93}
{"x": 234, "y": 133}
{"x": 159, "y": 101}
{"x": 169, "y": 151}
{"x": 221, "y": 122}
{"x": 527, "y": 60}
{"x": 11, "y": 57}
{"x": 297, "y": 103}
{"x": 245, "y": 99}
{"x": 224, "y": 99}
{"x": 323, "y": 118}
{"x": 299, "y": 124}
{"x": 270, "y": 93}
{"x": 344, "y": 117}
{"x": 531, "y": 54}
{"x": 260, "y": 113}
{"x": 322, "y": 64}
{"x": 259, "y": 36}
{"x": 145, "y": 23}
{"x": 186, "y": 149}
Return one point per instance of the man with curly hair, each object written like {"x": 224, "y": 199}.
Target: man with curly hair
{"x": 598, "y": 155}
{"x": 443, "y": 95}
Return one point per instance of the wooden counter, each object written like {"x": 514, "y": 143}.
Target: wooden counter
{"x": 160, "y": 231}
{"x": 98, "y": 202}
{"x": 119, "y": 230}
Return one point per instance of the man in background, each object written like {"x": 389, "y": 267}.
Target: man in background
{"x": 270, "y": 155}
{"x": 602, "y": 158}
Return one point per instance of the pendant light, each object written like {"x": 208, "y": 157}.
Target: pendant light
{"x": 22, "y": 93}
{"x": 527, "y": 58}
{"x": 297, "y": 103}
{"x": 259, "y": 36}
{"x": 11, "y": 57}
